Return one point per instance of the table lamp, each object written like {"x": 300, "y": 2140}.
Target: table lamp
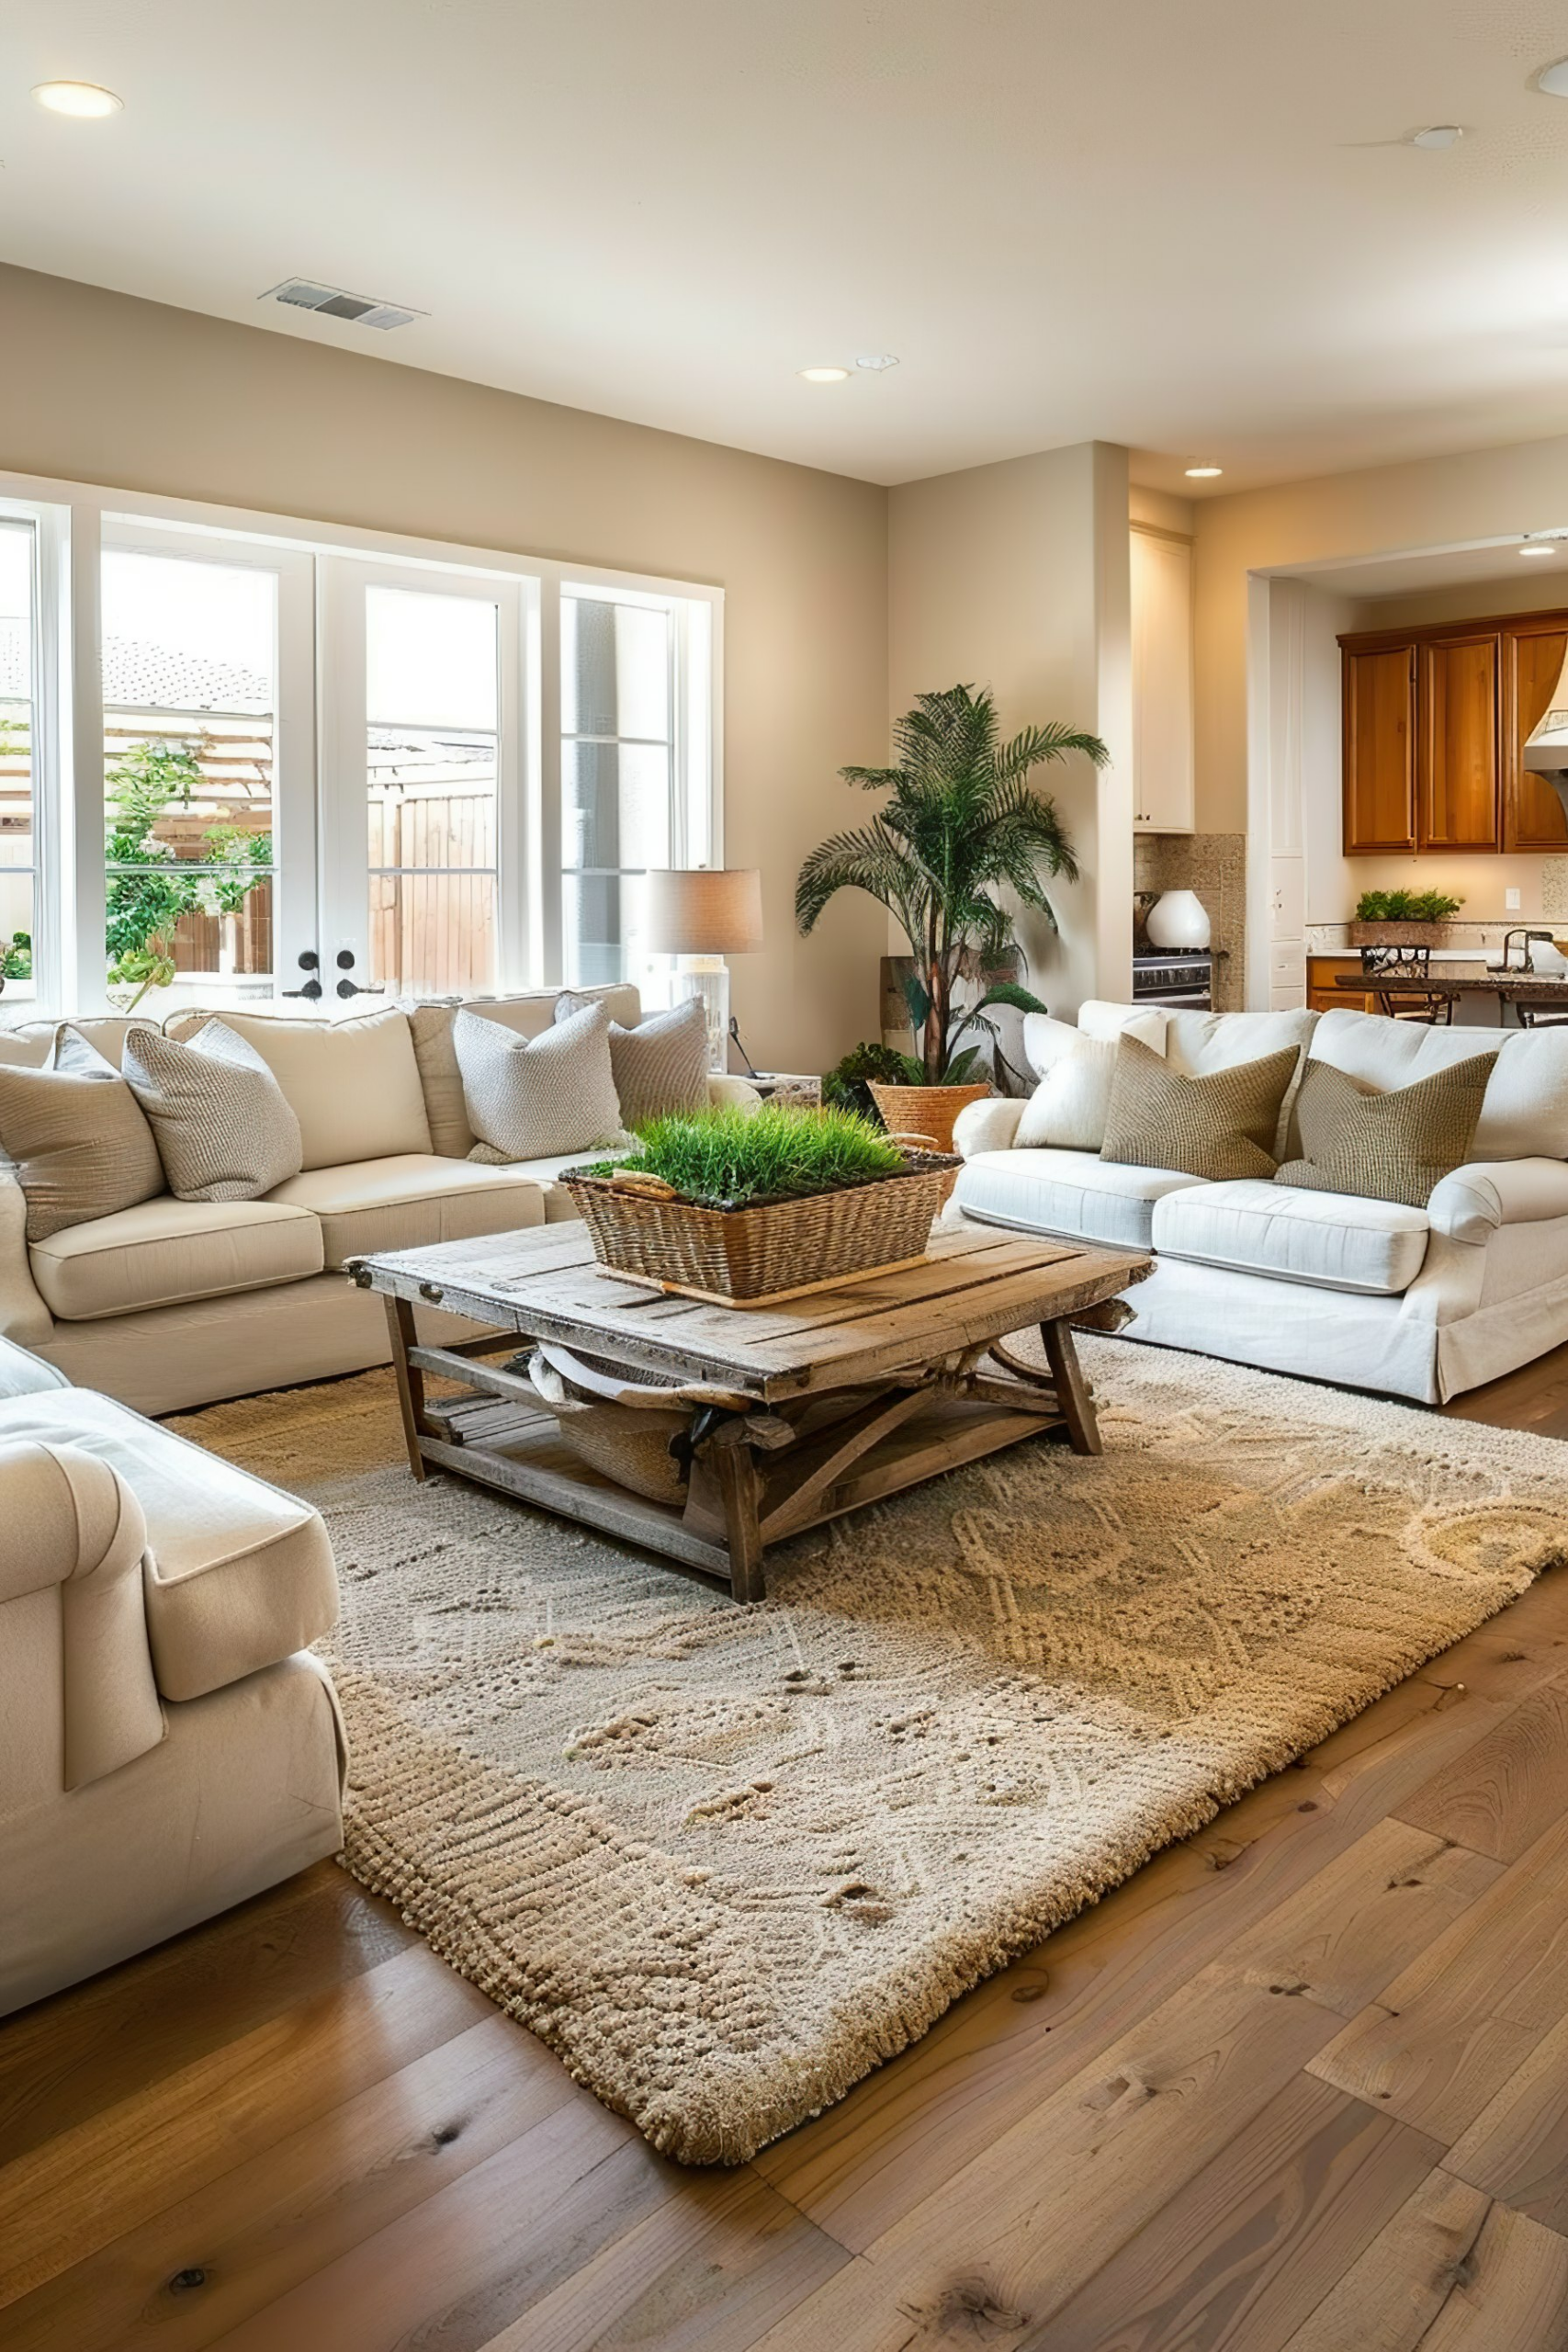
{"x": 701, "y": 914}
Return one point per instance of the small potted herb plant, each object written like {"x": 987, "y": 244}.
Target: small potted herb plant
{"x": 737, "y": 1205}
{"x": 1403, "y": 918}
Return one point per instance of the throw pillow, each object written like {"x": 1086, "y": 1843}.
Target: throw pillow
{"x": 223, "y": 1127}
{"x": 1221, "y": 1125}
{"x": 76, "y": 1138}
{"x": 1068, "y": 1107}
{"x": 1047, "y": 1041}
{"x": 659, "y": 1065}
{"x": 530, "y": 1098}
{"x": 1385, "y": 1147}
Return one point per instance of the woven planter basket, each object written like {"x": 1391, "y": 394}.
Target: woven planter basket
{"x": 770, "y": 1249}
{"x": 924, "y": 1110}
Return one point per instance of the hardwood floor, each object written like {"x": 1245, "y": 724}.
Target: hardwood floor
{"x": 1299, "y": 2086}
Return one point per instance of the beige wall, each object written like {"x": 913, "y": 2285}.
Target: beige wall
{"x": 101, "y": 388}
{"x": 1015, "y": 576}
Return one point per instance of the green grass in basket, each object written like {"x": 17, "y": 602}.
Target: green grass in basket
{"x": 728, "y": 1157}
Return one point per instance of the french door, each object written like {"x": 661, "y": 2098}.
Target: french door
{"x": 422, "y": 815}
{"x": 322, "y": 775}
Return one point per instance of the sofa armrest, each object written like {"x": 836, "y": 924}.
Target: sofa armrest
{"x": 69, "y": 1520}
{"x": 23, "y": 1315}
{"x": 1471, "y": 1202}
{"x": 989, "y": 1126}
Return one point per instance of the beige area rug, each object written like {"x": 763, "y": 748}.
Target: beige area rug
{"x": 726, "y": 1861}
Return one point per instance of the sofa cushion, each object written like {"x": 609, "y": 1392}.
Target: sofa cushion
{"x": 238, "y": 1575}
{"x": 1200, "y": 1042}
{"x": 168, "y": 1251}
{"x": 1329, "y": 1239}
{"x": 77, "y": 1139}
{"x": 529, "y": 1015}
{"x": 1072, "y": 1192}
{"x": 661, "y": 1064}
{"x": 1068, "y": 1106}
{"x": 225, "y": 1129}
{"x": 1386, "y": 1147}
{"x": 412, "y": 1198}
{"x": 1047, "y": 1041}
{"x": 352, "y": 1085}
{"x": 528, "y": 1095}
{"x": 1220, "y": 1126}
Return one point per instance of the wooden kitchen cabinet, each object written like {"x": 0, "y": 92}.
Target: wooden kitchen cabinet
{"x": 1459, "y": 760}
{"x": 1324, "y": 997}
{"x": 1380, "y": 748}
{"x": 1434, "y": 721}
{"x": 1532, "y": 814}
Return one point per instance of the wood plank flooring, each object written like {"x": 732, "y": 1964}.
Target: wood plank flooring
{"x": 1299, "y": 2086}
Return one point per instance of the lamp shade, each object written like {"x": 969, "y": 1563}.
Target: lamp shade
{"x": 697, "y": 911}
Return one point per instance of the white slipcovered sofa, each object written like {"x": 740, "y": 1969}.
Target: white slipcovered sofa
{"x": 178, "y": 1302}
{"x": 1423, "y": 1303}
{"x": 167, "y": 1745}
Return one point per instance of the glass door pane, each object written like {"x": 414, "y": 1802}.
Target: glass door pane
{"x": 617, "y": 780}
{"x": 432, "y": 710}
{"x": 18, "y": 736}
{"x": 190, "y": 711}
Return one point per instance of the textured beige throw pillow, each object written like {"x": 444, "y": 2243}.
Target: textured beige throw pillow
{"x": 532, "y": 1097}
{"x": 658, "y": 1067}
{"x": 223, "y": 1127}
{"x": 1221, "y": 1125}
{"x": 1385, "y": 1147}
{"x": 76, "y": 1138}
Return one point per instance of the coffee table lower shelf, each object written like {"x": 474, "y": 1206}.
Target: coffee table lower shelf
{"x": 861, "y": 1446}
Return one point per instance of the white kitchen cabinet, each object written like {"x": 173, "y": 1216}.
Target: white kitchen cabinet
{"x": 1163, "y": 757}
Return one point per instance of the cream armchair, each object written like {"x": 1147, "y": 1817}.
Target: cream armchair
{"x": 166, "y": 1748}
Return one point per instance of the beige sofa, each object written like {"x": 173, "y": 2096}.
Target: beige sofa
{"x": 177, "y": 1302}
{"x": 167, "y": 1746}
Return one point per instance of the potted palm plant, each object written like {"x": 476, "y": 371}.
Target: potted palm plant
{"x": 962, "y": 821}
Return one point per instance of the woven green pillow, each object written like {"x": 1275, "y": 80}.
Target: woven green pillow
{"x": 1390, "y": 1146}
{"x": 1219, "y": 1126}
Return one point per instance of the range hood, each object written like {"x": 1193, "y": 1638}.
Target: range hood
{"x": 1546, "y": 747}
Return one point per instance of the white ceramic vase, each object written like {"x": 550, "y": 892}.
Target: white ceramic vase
{"x": 1177, "y": 919}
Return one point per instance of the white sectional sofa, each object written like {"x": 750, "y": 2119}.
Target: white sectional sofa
{"x": 177, "y": 1302}
{"x": 1423, "y": 1303}
{"x": 168, "y": 1746}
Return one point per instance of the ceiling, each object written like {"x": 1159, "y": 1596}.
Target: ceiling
{"x": 1520, "y": 582}
{"x": 1187, "y": 225}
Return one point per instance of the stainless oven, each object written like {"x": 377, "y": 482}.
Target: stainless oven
{"x": 1174, "y": 975}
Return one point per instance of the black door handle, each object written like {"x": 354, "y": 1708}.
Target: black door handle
{"x": 349, "y": 987}
{"x": 308, "y": 962}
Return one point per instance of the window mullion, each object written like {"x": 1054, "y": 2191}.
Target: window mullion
{"x": 83, "y": 892}
{"x": 550, "y": 966}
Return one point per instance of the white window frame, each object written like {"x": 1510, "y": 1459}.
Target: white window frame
{"x": 75, "y": 520}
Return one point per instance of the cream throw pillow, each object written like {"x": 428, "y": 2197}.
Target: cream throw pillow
{"x": 659, "y": 1065}
{"x": 1068, "y": 1108}
{"x": 532, "y": 1097}
{"x": 76, "y": 1138}
{"x": 224, "y": 1129}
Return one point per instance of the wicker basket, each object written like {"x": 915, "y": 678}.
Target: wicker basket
{"x": 770, "y": 1249}
{"x": 924, "y": 1110}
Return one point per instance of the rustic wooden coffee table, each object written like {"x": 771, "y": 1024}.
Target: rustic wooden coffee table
{"x": 809, "y": 1408}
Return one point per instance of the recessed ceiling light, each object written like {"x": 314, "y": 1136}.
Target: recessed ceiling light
{"x": 1203, "y": 473}
{"x": 1553, "y": 79}
{"x": 1535, "y": 547}
{"x": 78, "y": 98}
{"x": 825, "y": 375}
{"x": 876, "y": 361}
{"x": 1438, "y": 134}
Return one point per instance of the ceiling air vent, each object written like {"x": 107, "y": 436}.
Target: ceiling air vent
{"x": 305, "y": 294}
